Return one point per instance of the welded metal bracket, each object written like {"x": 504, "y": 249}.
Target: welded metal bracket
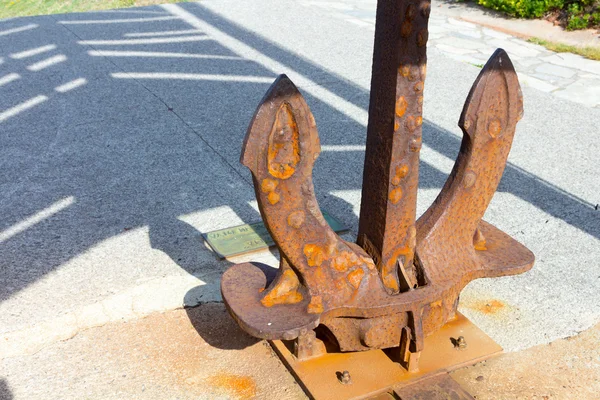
{"x": 401, "y": 281}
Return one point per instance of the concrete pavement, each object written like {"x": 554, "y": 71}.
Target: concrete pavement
{"x": 121, "y": 133}
{"x": 566, "y": 75}
{"x": 200, "y": 353}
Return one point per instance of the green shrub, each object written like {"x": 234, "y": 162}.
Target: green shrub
{"x": 577, "y": 22}
{"x": 573, "y": 14}
{"x": 523, "y": 8}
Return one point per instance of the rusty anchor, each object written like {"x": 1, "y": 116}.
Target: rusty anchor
{"x": 400, "y": 282}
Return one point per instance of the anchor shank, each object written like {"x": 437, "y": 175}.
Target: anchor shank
{"x": 390, "y": 179}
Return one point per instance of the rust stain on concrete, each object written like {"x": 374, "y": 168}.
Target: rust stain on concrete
{"x": 191, "y": 352}
{"x": 487, "y": 307}
{"x": 243, "y": 387}
{"x": 493, "y": 308}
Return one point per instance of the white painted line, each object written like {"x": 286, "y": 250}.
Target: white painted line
{"x": 19, "y": 29}
{"x": 340, "y": 104}
{"x": 342, "y": 147}
{"x": 116, "y": 21}
{"x": 33, "y": 52}
{"x": 144, "y": 41}
{"x": 36, "y": 218}
{"x": 126, "y": 11}
{"x": 192, "y": 77}
{"x": 9, "y": 78}
{"x": 71, "y": 85}
{"x": 19, "y": 108}
{"x": 48, "y": 62}
{"x": 120, "y": 53}
{"x": 163, "y": 33}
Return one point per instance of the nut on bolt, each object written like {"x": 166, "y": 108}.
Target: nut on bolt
{"x": 345, "y": 378}
{"x": 461, "y": 343}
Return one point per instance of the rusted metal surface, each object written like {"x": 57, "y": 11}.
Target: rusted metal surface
{"x": 441, "y": 387}
{"x": 323, "y": 279}
{"x": 400, "y": 283}
{"x": 391, "y": 173}
{"x": 373, "y": 372}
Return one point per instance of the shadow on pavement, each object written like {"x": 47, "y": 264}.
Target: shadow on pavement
{"x": 214, "y": 324}
{"x": 5, "y": 392}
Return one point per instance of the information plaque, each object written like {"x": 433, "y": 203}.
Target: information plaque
{"x": 247, "y": 238}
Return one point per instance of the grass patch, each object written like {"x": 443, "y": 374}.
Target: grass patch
{"x": 23, "y": 8}
{"x": 593, "y": 53}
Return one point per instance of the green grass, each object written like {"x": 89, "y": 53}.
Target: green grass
{"x": 22, "y": 8}
{"x": 593, "y": 53}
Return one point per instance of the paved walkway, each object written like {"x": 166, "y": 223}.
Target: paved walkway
{"x": 565, "y": 75}
{"x": 201, "y": 354}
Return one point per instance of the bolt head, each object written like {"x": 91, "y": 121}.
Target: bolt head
{"x": 345, "y": 378}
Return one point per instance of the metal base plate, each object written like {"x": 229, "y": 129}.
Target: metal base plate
{"x": 373, "y": 372}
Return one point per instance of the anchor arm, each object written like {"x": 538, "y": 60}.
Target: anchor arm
{"x": 319, "y": 271}
{"x": 453, "y": 241}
